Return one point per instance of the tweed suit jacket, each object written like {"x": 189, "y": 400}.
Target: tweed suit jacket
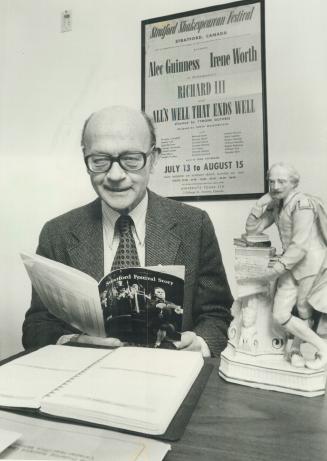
{"x": 175, "y": 234}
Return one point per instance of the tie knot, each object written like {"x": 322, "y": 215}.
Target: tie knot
{"x": 124, "y": 224}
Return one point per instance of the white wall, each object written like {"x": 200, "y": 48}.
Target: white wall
{"x": 51, "y": 81}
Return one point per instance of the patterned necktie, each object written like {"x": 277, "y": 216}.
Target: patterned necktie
{"x": 126, "y": 254}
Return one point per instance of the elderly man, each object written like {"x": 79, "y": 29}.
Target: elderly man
{"x": 120, "y": 152}
{"x": 160, "y": 300}
{"x": 303, "y": 258}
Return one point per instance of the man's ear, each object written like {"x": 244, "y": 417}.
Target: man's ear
{"x": 87, "y": 170}
{"x": 154, "y": 158}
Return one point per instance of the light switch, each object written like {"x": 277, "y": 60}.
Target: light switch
{"x": 66, "y": 21}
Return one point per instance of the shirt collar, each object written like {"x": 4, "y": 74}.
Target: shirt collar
{"x": 138, "y": 215}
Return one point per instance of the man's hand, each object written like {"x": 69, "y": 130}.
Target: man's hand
{"x": 268, "y": 275}
{"x": 265, "y": 200}
{"x": 272, "y": 273}
{"x": 189, "y": 342}
{"x": 161, "y": 305}
{"x": 95, "y": 340}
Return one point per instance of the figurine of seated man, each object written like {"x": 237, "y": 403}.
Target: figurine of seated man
{"x": 303, "y": 261}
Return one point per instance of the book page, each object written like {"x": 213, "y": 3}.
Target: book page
{"x": 51, "y": 440}
{"x": 68, "y": 294}
{"x": 138, "y": 389}
{"x": 25, "y": 380}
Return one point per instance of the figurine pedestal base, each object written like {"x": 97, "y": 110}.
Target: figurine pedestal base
{"x": 271, "y": 372}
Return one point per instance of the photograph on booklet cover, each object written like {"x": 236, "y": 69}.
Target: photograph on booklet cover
{"x": 142, "y": 306}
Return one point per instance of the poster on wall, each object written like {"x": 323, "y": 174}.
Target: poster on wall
{"x": 203, "y": 84}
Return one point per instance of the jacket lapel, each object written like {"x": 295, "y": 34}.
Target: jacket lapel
{"x": 87, "y": 252}
{"x": 161, "y": 241}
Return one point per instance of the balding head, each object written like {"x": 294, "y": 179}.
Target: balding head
{"x": 116, "y": 121}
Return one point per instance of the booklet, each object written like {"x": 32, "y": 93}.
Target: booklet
{"x": 130, "y": 388}
{"x": 139, "y": 305}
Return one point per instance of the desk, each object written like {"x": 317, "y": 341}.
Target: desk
{"x": 238, "y": 423}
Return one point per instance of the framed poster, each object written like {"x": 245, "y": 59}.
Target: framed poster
{"x": 203, "y": 84}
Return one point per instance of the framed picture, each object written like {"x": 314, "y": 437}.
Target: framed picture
{"x": 203, "y": 84}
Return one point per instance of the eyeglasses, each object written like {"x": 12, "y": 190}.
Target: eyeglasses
{"x": 128, "y": 161}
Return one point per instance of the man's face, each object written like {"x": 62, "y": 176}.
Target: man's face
{"x": 112, "y": 132}
{"x": 135, "y": 287}
{"x": 160, "y": 293}
{"x": 280, "y": 184}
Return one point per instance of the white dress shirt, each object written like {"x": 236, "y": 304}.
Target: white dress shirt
{"x": 111, "y": 241}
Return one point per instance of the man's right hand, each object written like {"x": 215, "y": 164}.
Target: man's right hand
{"x": 92, "y": 340}
{"x": 265, "y": 200}
{"x": 97, "y": 341}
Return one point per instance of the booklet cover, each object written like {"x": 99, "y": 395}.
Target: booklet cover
{"x": 141, "y": 305}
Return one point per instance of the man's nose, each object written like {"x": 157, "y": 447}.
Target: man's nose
{"x": 116, "y": 172}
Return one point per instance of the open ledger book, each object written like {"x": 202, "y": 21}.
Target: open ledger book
{"x": 131, "y": 388}
{"x": 140, "y": 305}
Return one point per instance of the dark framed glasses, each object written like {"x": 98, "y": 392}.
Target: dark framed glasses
{"x": 128, "y": 161}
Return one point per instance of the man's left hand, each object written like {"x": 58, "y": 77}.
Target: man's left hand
{"x": 189, "y": 342}
{"x": 272, "y": 273}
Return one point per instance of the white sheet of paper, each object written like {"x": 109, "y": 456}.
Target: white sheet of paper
{"x": 50, "y": 440}
{"x": 68, "y": 293}
{"x": 7, "y": 438}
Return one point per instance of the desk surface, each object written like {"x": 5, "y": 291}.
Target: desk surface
{"x": 233, "y": 422}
